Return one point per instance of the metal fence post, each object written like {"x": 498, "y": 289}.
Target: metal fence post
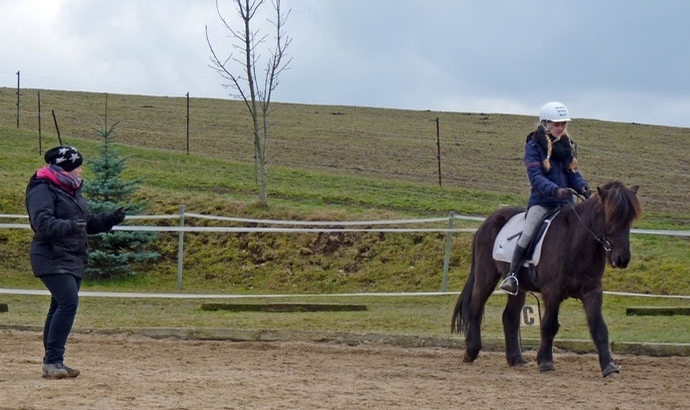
{"x": 446, "y": 258}
{"x": 180, "y": 249}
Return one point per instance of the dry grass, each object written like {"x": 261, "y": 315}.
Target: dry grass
{"x": 479, "y": 152}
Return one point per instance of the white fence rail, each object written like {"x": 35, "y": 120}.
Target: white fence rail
{"x": 268, "y": 226}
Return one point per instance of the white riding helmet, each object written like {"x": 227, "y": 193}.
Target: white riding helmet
{"x": 554, "y": 112}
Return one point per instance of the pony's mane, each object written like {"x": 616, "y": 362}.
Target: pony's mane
{"x": 620, "y": 203}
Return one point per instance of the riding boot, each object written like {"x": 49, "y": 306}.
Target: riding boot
{"x": 510, "y": 281}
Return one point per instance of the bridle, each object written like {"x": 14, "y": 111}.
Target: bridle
{"x": 601, "y": 239}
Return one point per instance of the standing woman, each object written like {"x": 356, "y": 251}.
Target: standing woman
{"x": 551, "y": 162}
{"x": 60, "y": 219}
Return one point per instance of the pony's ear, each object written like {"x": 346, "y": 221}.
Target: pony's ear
{"x": 599, "y": 191}
{"x": 634, "y": 188}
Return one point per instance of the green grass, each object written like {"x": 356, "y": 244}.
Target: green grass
{"x": 338, "y": 163}
{"x": 421, "y": 316}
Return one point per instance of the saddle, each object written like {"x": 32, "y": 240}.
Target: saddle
{"x": 507, "y": 238}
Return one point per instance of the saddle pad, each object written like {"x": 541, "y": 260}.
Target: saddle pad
{"x": 507, "y": 239}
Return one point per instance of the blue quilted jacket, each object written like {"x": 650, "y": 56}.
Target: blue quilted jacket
{"x": 544, "y": 184}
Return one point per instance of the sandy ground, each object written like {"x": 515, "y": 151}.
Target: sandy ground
{"x": 136, "y": 372}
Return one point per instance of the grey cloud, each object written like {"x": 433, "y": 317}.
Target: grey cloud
{"x": 606, "y": 59}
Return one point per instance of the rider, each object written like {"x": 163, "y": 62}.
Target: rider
{"x": 551, "y": 161}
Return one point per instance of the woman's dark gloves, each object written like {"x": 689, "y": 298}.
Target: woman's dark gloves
{"x": 562, "y": 193}
{"x": 585, "y": 191}
{"x": 117, "y": 216}
{"x": 78, "y": 225}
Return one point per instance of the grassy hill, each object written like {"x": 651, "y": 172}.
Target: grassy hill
{"x": 336, "y": 163}
{"x": 479, "y": 152}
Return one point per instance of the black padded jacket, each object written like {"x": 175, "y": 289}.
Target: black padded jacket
{"x": 60, "y": 221}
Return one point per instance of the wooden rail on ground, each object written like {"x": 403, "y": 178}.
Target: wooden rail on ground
{"x": 657, "y": 311}
{"x": 283, "y": 307}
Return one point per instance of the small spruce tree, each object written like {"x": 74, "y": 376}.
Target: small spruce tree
{"x": 112, "y": 253}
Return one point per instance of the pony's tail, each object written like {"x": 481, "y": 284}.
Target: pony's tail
{"x": 459, "y": 322}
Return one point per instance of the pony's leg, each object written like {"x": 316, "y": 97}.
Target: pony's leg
{"x": 511, "y": 328}
{"x": 473, "y": 337}
{"x": 549, "y": 328}
{"x": 592, "y": 303}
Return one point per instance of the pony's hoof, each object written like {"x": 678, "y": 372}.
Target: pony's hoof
{"x": 466, "y": 358}
{"x": 546, "y": 367}
{"x": 517, "y": 362}
{"x": 611, "y": 371}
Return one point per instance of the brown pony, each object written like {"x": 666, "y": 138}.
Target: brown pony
{"x": 579, "y": 242}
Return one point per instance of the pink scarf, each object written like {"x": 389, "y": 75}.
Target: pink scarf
{"x": 63, "y": 179}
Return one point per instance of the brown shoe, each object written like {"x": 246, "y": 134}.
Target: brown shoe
{"x": 53, "y": 371}
{"x": 70, "y": 371}
{"x": 58, "y": 371}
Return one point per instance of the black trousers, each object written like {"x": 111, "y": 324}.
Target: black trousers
{"x": 64, "y": 300}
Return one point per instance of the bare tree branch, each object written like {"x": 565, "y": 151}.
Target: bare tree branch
{"x": 241, "y": 75}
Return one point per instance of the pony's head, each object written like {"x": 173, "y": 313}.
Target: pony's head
{"x": 620, "y": 207}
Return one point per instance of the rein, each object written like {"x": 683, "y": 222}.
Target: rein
{"x": 601, "y": 239}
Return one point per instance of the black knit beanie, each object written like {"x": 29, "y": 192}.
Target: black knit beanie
{"x": 64, "y": 156}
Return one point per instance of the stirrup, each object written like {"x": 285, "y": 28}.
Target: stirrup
{"x": 517, "y": 285}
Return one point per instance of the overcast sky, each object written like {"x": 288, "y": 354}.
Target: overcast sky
{"x": 614, "y": 60}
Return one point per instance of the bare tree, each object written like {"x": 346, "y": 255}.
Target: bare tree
{"x": 240, "y": 72}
